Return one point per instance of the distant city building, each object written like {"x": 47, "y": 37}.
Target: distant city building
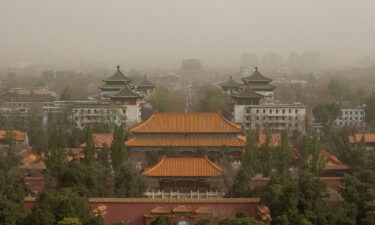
{"x": 191, "y": 67}
{"x": 271, "y": 62}
{"x": 351, "y": 117}
{"x": 248, "y": 61}
{"x": 276, "y": 117}
{"x": 307, "y": 62}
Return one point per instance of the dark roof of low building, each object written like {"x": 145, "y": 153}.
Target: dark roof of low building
{"x": 118, "y": 76}
{"x": 230, "y": 83}
{"x": 125, "y": 92}
{"x": 147, "y": 83}
{"x": 111, "y": 87}
{"x": 256, "y": 77}
{"x": 262, "y": 86}
{"x": 247, "y": 92}
{"x": 14, "y": 97}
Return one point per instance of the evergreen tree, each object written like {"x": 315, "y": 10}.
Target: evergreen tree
{"x": 53, "y": 206}
{"x": 266, "y": 156}
{"x": 249, "y": 162}
{"x": 162, "y": 220}
{"x": 128, "y": 183}
{"x": 317, "y": 160}
{"x": 89, "y": 149}
{"x": 305, "y": 150}
{"x": 241, "y": 182}
{"x": 69, "y": 221}
{"x": 284, "y": 154}
{"x": 118, "y": 149}
{"x": 56, "y": 156}
{"x": 66, "y": 95}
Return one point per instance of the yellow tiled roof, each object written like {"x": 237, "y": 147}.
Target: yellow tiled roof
{"x": 187, "y": 123}
{"x": 18, "y": 135}
{"x": 186, "y": 141}
{"x": 356, "y": 138}
{"x": 101, "y": 140}
{"x": 184, "y": 167}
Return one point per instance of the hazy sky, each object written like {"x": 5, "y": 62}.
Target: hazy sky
{"x": 136, "y": 31}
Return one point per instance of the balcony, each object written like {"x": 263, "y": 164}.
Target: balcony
{"x": 178, "y": 194}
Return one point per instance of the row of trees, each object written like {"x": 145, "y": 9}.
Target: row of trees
{"x": 305, "y": 200}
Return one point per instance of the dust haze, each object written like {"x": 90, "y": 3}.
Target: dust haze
{"x": 151, "y": 32}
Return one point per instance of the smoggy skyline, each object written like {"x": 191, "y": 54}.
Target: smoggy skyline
{"x": 149, "y": 31}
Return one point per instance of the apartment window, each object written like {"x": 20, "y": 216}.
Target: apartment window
{"x": 270, "y": 110}
{"x": 296, "y": 111}
{"x": 247, "y": 111}
{"x": 361, "y": 113}
{"x": 277, "y": 111}
{"x": 290, "y": 111}
{"x": 283, "y": 110}
{"x": 351, "y": 112}
{"x": 264, "y": 111}
{"x": 361, "y": 118}
{"x": 346, "y": 113}
{"x": 356, "y": 112}
{"x": 257, "y": 110}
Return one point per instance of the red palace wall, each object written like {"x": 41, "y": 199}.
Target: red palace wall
{"x": 137, "y": 211}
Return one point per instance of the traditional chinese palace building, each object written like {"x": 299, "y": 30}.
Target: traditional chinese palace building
{"x": 185, "y": 175}
{"x": 254, "y": 105}
{"x": 186, "y": 132}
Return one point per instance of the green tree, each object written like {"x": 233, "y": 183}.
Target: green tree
{"x": 66, "y": 95}
{"x": 53, "y": 206}
{"x": 163, "y": 100}
{"x": 317, "y": 160}
{"x": 267, "y": 156}
{"x": 128, "y": 182}
{"x": 162, "y": 220}
{"x": 370, "y": 109}
{"x": 85, "y": 179}
{"x": 211, "y": 98}
{"x": 241, "y": 183}
{"x": 89, "y": 149}
{"x": 284, "y": 155}
{"x": 69, "y": 221}
{"x": 203, "y": 222}
{"x": 327, "y": 113}
{"x": 118, "y": 148}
